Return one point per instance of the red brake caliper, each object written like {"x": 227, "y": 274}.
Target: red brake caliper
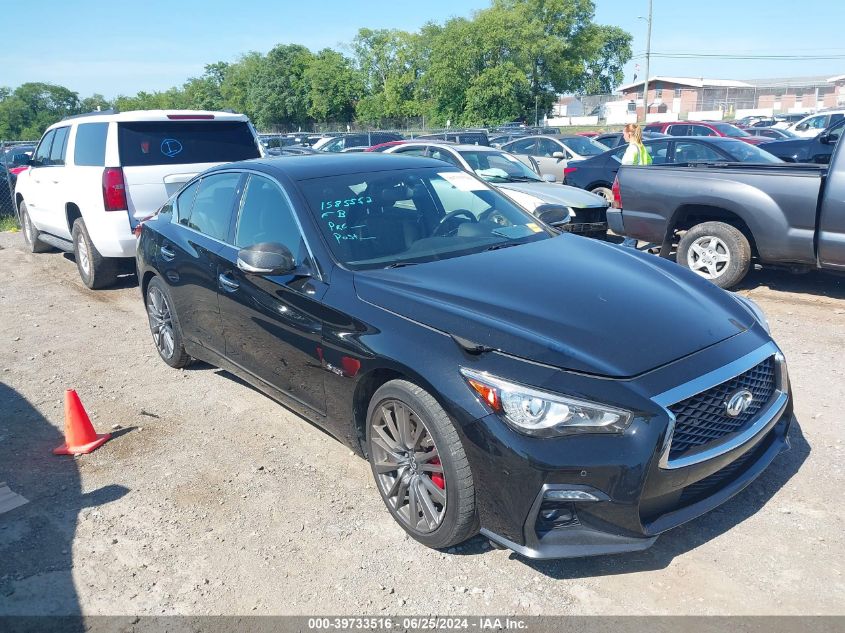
{"x": 437, "y": 478}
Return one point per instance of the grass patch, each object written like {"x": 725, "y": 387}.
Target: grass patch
{"x": 9, "y": 223}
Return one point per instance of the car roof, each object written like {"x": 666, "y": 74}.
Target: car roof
{"x": 321, "y": 165}
{"x": 153, "y": 115}
{"x": 460, "y": 147}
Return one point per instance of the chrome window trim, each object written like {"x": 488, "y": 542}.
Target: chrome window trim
{"x": 770, "y": 413}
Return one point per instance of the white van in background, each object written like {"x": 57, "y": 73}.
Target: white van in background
{"x": 93, "y": 177}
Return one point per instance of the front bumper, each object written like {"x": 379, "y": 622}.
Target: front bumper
{"x": 636, "y": 494}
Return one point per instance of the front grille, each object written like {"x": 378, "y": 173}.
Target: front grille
{"x": 710, "y": 485}
{"x": 702, "y": 419}
{"x": 588, "y": 215}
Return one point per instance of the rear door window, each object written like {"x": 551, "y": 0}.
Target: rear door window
{"x": 90, "y": 146}
{"x": 211, "y": 213}
{"x": 42, "y": 154}
{"x": 182, "y": 142}
{"x": 700, "y": 130}
{"x": 524, "y": 147}
{"x": 678, "y": 130}
{"x": 686, "y": 152}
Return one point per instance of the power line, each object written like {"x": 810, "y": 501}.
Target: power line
{"x": 735, "y": 56}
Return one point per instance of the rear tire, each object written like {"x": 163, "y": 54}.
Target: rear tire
{"x": 30, "y": 233}
{"x": 95, "y": 270}
{"x": 416, "y": 472}
{"x": 604, "y": 192}
{"x": 716, "y": 251}
{"x": 164, "y": 325}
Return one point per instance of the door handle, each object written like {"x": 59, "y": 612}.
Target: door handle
{"x": 166, "y": 254}
{"x": 229, "y": 285}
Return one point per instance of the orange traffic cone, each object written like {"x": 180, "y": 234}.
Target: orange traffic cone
{"x": 80, "y": 436}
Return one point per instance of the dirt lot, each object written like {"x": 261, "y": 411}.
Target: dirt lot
{"x": 213, "y": 499}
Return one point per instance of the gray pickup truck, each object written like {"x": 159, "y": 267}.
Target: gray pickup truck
{"x": 721, "y": 217}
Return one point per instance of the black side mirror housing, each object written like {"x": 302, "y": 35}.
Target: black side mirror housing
{"x": 266, "y": 258}
{"x": 824, "y": 138}
{"x": 32, "y": 162}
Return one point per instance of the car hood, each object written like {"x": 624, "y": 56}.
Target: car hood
{"x": 553, "y": 193}
{"x": 569, "y": 302}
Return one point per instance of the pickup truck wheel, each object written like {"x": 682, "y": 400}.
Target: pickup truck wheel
{"x": 95, "y": 270}
{"x": 419, "y": 464}
{"x": 30, "y": 233}
{"x": 717, "y": 251}
{"x": 604, "y": 192}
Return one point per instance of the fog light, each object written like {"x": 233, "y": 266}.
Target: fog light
{"x": 556, "y": 514}
{"x": 570, "y": 495}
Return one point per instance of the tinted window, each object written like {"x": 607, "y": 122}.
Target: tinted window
{"x": 184, "y": 202}
{"x": 42, "y": 154}
{"x": 678, "y": 130}
{"x": 659, "y": 152}
{"x": 181, "y": 142}
{"x": 373, "y": 220}
{"x": 686, "y": 152}
{"x": 90, "y": 148}
{"x": 411, "y": 151}
{"x": 747, "y": 153}
{"x": 700, "y": 130}
{"x": 547, "y": 147}
{"x": 442, "y": 154}
{"x": 211, "y": 212}
{"x": 584, "y": 146}
{"x": 525, "y": 146}
{"x": 266, "y": 216}
{"x": 57, "y": 152}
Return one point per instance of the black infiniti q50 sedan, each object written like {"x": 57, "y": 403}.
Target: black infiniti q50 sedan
{"x": 563, "y": 396}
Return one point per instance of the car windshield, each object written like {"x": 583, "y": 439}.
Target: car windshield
{"x": 730, "y": 130}
{"x": 395, "y": 218}
{"x": 584, "y": 146}
{"x": 747, "y": 153}
{"x": 499, "y": 167}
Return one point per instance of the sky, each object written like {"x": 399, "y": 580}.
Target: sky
{"x": 121, "y": 47}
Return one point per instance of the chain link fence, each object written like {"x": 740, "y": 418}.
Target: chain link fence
{"x": 13, "y": 158}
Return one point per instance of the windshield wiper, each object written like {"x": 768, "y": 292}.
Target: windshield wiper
{"x": 496, "y": 247}
{"x": 523, "y": 179}
{"x": 400, "y": 264}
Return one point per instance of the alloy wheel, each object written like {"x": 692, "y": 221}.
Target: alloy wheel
{"x": 161, "y": 322}
{"x": 82, "y": 253}
{"x": 27, "y": 228}
{"x": 407, "y": 464}
{"x": 709, "y": 257}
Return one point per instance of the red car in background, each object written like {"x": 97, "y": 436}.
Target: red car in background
{"x": 587, "y": 134}
{"x": 703, "y": 128}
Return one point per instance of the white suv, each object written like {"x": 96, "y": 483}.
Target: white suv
{"x": 93, "y": 177}
{"x": 815, "y": 124}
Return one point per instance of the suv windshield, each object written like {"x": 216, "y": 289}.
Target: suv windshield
{"x": 498, "y": 167}
{"x": 393, "y": 218}
{"x": 730, "y": 130}
{"x": 181, "y": 142}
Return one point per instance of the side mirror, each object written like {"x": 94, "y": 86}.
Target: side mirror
{"x": 801, "y": 127}
{"x": 32, "y": 162}
{"x": 559, "y": 155}
{"x": 266, "y": 258}
{"x": 552, "y": 214}
{"x": 549, "y": 178}
{"x": 824, "y": 138}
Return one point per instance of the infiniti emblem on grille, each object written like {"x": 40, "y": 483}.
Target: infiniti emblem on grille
{"x": 738, "y": 402}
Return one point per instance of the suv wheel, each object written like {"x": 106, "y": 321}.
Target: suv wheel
{"x": 164, "y": 325}
{"x": 95, "y": 270}
{"x": 30, "y": 233}
{"x": 419, "y": 465}
{"x": 717, "y": 251}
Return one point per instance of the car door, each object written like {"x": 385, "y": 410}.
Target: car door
{"x": 189, "y": 254}
{"x": 549, "y": 165}
{"x": 37, "y": 198}
{"x": 55, "y": 184}
{"x": 272, "y": 324}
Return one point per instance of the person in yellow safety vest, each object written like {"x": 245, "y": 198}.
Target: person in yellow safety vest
{"x": 635, "y": 154}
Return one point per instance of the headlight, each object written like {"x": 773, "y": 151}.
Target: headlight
{"x": 755, "y": 310}
{"x": 544, "y": 414}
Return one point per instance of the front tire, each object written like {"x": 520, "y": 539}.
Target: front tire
{"x": 164, "y": 325}
{"x": 716, "y": 251}
{"x": 95, "y": 270}
{"x": 30, "y": 233}
{"x": 420, "y": 466}
{"x": 604, "y": 192}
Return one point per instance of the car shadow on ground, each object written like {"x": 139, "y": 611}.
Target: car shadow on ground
{"x": 689, "y": 536}
{"x": 814, "y": 282}
{"x": 125, "y": 279}
{"x": 36, "y": 539}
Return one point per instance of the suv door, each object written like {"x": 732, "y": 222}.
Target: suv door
{"x": 272, "y": 324}
{"x": 189, "y": 254}
{"x": 37, "y": 198}
{"x": 55, "y": 185}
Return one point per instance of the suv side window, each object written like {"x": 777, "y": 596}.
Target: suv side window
{"x": 678, "y": 130}
{"x": 90, "y": 147}
{"x": 700, "y": 130}
{"x": 266, "y": 216}
{"x": 57, "y": 152}
{"x": 524, "y": 147}
{"x": 211, "y": 213}
{"x": 42, "y": 154}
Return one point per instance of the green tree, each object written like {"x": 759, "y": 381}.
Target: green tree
{"x": 205, "y": 93}
{"x": 278, "y": 93}
{"x": 497, "y": 95}
{"x": 607, "y": 51}
{"x": 239, "y": 77}
{"x": 334, "y": 86}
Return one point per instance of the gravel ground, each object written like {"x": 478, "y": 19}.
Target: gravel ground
{"x": 213, "y": 499}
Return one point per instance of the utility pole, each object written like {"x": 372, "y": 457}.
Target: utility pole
{"x": 536, "y": 115}
{"x": 647, "y": 58}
